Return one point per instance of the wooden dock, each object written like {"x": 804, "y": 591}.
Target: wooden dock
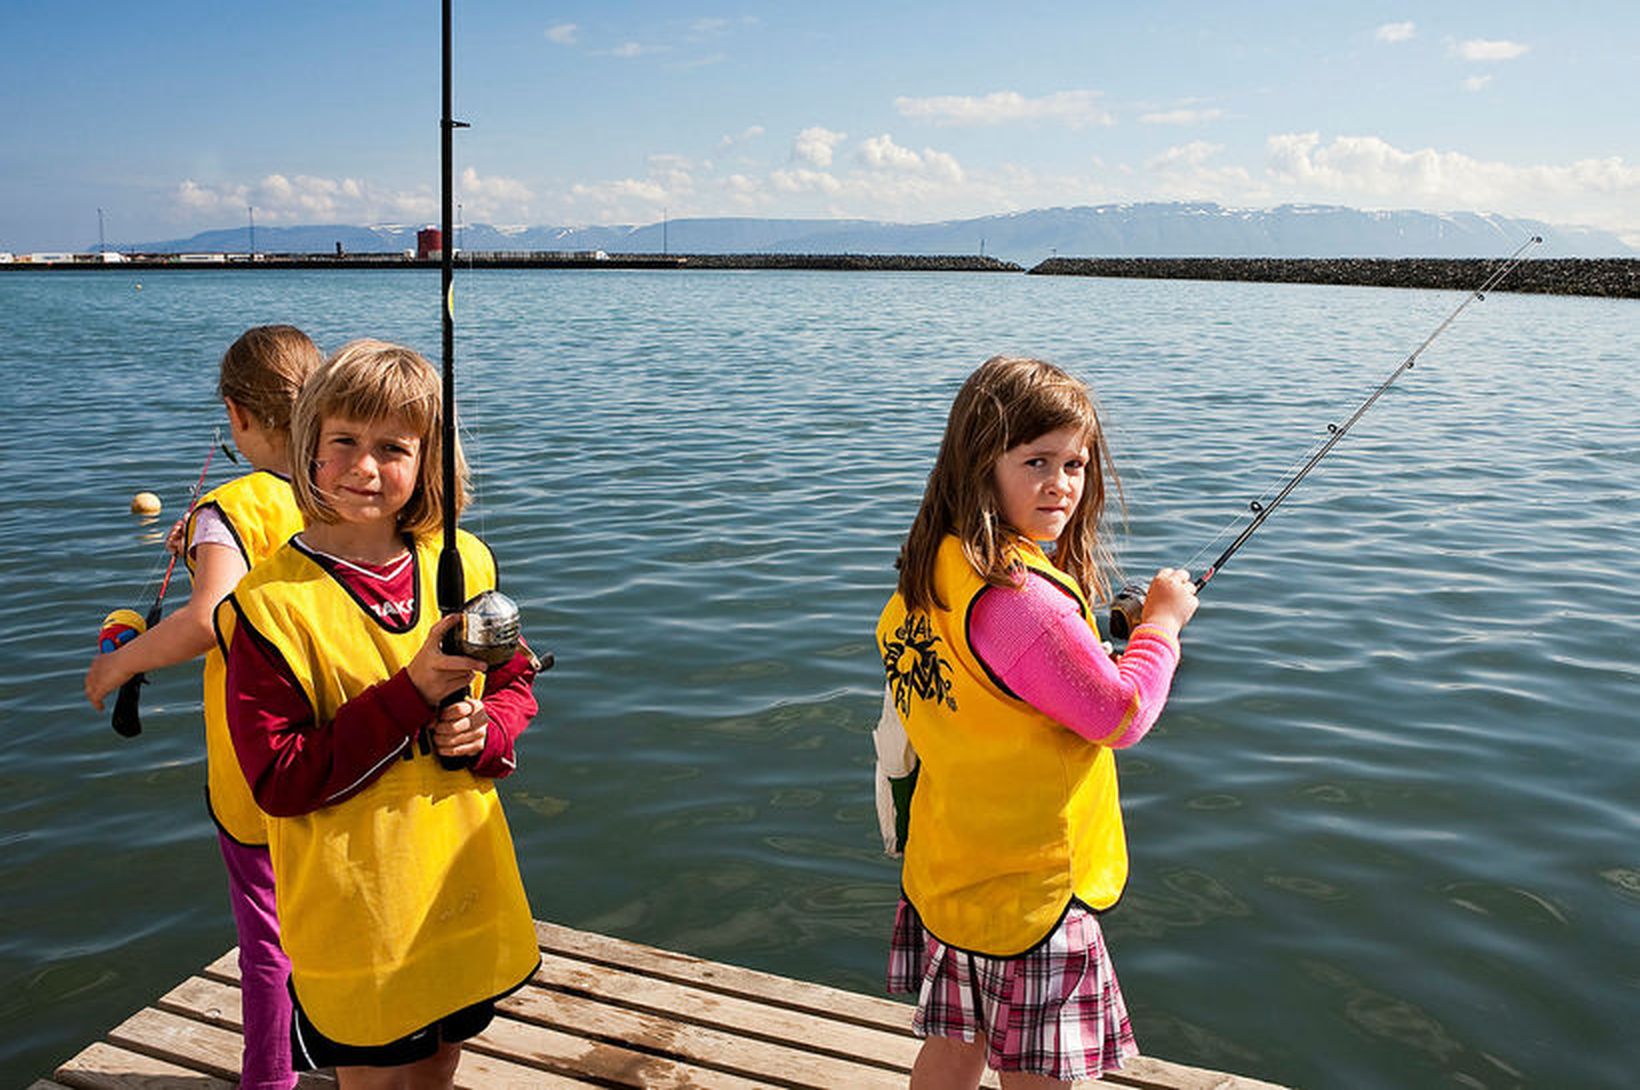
{"x": 600, "y": 1012}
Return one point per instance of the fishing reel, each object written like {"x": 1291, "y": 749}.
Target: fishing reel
{"x": 488, "y": 629}
{"x": 1126, "y": 610}
{"x": 489, "y": 632}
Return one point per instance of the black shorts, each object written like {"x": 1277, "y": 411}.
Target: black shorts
{"x": 311, "y": 1050}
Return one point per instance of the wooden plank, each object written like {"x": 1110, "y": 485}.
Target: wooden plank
{"x": 826, "y": 1035}
{"x": 778, "y": 991}
{"x": 180, "y": 1040}
{"x": 481, "y": 1072}
{"x": 573, "y": 1057}
{"x": 205, "y": 1046}
{"x": 762, "y": 1060}
{"x": 225, "y": 968}
{"x": 1150, "y": 1073}
{"x": 104, "y": 1067}
{"x": 209, "y": 1001}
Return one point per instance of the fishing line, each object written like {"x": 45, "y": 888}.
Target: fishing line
{"x": 1128, "y": 606}
{"x": 126, "y": 720}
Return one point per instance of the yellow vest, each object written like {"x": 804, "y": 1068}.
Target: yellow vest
{"x": 260, "y": 510}
{"x": 403, "y": 903}
{"x": 1013, "y": 814}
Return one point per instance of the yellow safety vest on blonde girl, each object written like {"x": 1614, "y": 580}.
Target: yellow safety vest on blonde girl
{"x": 260, "y": 511}
{"x": 1013, "y": 813}
{"x": 403, "y": 903}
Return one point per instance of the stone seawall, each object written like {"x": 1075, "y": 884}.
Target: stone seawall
{"x": 1612, "y": 277}
{"x": 854, "y": 262}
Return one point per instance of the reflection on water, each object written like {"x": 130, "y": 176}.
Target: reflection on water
{"x": 1383, "y": 836}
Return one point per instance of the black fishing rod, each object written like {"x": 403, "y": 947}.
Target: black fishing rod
{"x": 1128, "y": 605}
{"x": 489, "y": 628}
{"x": 451, "y": 579}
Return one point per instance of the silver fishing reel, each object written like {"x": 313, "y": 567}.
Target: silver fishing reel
{"x": 488, "y": 630}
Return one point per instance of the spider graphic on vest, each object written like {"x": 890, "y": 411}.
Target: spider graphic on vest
{"x": 914, "y": 666}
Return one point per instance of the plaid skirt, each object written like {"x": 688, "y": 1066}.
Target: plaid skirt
{"x": 1055, "y": 1010}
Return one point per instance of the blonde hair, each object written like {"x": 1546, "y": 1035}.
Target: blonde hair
{"x": 264, "y": 370}
{"x": 1007, "y": 401}
{"x": 368, "y": 381}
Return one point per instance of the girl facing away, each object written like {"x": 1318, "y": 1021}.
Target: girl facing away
{"x": 231, "y": 529}
{"x": 403, "y": 912}
{"x": 1001, "y": 717}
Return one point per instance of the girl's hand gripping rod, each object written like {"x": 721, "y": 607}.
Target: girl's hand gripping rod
{"x": 1128, "y": 605}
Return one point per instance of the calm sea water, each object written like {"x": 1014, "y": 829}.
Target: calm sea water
{"x": 1385, "y": 835}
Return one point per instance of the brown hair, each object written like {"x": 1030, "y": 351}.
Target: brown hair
{"x": 1007, "y": 401}
{"x": 263, "y": 371}
{"x": 369, "y": 381}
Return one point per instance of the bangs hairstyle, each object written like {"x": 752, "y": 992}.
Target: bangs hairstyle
{"x": 1007, "y": 401}
{"x": 370, "y": 381}
{"x": 264, "y": 370}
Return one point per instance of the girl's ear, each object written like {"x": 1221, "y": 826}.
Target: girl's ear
{"x": 236, "y": 413}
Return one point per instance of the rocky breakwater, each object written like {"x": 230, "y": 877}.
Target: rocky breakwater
{"x": 853, "y": 262}
{"x": 1611, "y": 277}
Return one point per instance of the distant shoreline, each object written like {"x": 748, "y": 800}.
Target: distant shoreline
{"x": 1617, "y": 278}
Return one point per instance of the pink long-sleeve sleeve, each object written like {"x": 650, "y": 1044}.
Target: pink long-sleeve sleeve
{"x": 1034, "y": 640}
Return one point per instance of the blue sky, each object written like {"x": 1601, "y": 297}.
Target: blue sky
{"x": 174, "y": 116}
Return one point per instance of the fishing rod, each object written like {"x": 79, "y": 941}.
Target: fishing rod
{"x": 123, "y": 625}
{"x": 489, "y": 628}
{"x": 1127, "y": 607}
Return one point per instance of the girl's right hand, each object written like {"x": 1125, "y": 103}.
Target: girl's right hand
{"x": 435, "y": 674}
{"x": 176, "y": 542}
{"x": 1170, "y": 601}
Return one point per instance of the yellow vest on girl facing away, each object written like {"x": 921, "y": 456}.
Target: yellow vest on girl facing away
{"x": 400, "y": 904}
{"x": 1013, "y": 814}
{"x": 260, "y": 510}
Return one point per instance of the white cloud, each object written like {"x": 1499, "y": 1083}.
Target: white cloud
{"x": 493, "y": 198}
{"x": 746, "y": 135}
{"x": 631, "y": 50}
{"x": 1396, "y": 32}
{"x": 303, "y": 198}
{"x": 1073, "y": 108}
{"x": 1181, "y": 117}
{"x": 1369, "y": 172}
{"x": 815, "y": 146}
{"x": 1482, "y": 49}
{"x": 804, "y": 181}
{"x": 1476, "y": 83}
{"x": 1186, "y": 172}
{"x": 563, "y": 33}
{"x": 882, "y": 153}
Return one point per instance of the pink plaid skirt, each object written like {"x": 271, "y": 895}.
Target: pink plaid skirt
{"x": 1055, "y": 1010}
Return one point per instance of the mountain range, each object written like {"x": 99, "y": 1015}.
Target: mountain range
{"x": 1177, "y": 229}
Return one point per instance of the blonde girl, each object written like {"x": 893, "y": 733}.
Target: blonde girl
{"x": 1001, "y": 718}
{"x": 404, "y": 915}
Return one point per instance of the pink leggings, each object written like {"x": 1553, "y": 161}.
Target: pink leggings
{"x": 263, "y": 968}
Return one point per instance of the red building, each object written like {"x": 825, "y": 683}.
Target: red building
{"x": 429, "y": 244}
